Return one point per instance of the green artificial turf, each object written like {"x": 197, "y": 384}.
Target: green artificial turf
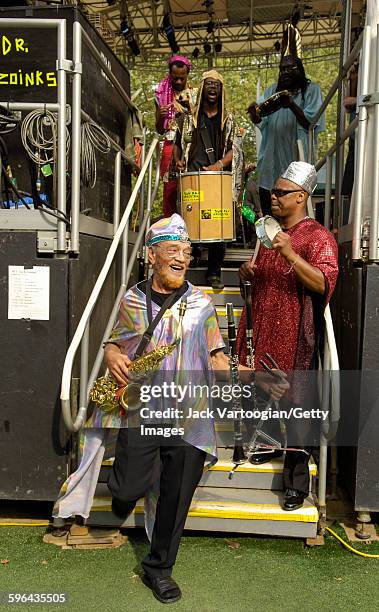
{"x": 214, "y": 573}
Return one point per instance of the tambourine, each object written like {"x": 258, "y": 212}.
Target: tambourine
{"x": 266, "y": 229}
{"x": 272, "y": 104}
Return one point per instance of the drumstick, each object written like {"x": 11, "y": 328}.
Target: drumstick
{"x": 255, "y": 254}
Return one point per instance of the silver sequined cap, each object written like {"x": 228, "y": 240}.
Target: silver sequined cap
{"x": 302, "y": 174}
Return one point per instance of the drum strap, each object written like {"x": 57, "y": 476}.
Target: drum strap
{"x": 204, "y": 134}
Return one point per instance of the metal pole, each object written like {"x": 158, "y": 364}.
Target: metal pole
{"x": 76, "y": 136}
{"x": 30, "y": 106}
{"x": 149, "y": 200}
{"x": 84, "y": 352}
{"x": 323, "y": 466}
{"x": 61, "y": 161}
{"x": 328, "y": 191}
{"x": 360, "y": 146}
{"x": 125, "y": 247}
{"x": 374, "y": 217}
{"x": 311, "y": 138}
{"x": 117, "y": 192}
{"x": 142, "y": 192}
{"x": 346, "y": 20}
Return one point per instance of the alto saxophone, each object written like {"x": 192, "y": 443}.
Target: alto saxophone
{"x": 111, "y": 397}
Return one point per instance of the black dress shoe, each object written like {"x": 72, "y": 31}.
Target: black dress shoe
{"x": 164, "y": 588}
{"x": 259, "y": 458}
{"x": 293, "y": 499}
{"x": 215, "y": 282}
{"x": 122, "y": 509}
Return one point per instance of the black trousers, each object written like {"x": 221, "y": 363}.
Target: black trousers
{"x": 216, "y": 254}
{"x": 296, "y": 471}
{"x": 132, "y": 474}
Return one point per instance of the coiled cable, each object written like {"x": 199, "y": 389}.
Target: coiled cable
{"x": 8, "y": 121}
{"x": 39, "y": 135}
{"x": 93, "y": 139}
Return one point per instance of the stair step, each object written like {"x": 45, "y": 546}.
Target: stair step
{"x": 239, "y": 255}
{"x": 267, "y": 476}
{"x": 225, "y": 509}
{"x": 221, "y": 298}
{"x": 229, "y": 276}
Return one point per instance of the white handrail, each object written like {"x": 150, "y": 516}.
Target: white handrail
{"x": 84, "y": 320}
{"x": 334, "y": 366}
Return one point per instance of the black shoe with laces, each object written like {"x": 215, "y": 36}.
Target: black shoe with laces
{"x": 259, "y": 458}
{"x": 293, "y": 499}
{"x": 164, "y": 588}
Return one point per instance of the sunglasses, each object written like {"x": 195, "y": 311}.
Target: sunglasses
{"x": 280, "y": 193}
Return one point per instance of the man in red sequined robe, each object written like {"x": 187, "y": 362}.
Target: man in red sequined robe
{"x": 291, "y": 285}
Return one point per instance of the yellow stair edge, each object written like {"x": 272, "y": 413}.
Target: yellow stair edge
{"x": 229, "y": 510}
{"x": 221, "y": 311}
{"x": 271, "y": 467}
{"x": 225, "y": 291}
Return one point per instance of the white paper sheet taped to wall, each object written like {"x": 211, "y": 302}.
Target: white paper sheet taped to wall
{"x": 29, "y": 293}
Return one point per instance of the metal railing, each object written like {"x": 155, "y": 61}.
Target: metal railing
{"x": 329, "y": 375}
{"x": 60, "y": 26}
{"x": 329, "y": 368}
{"x": 81, "y": 335}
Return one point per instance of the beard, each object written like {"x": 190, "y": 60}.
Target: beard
{"x": 171, "y": 282}
{"x": 167, "y": 279}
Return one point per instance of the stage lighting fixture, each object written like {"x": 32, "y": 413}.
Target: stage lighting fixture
{"x": 277, "y": 46}
{"x": 170, "y": 33}
{"x": 210, "y": 26}
{"x": 196, "y": 53}
{"x": 218, "y": 47}
{"x": 207, "y": 48}
{"x": 127, "y": 32}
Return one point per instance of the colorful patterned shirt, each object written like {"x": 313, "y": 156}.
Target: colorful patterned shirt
{"x": 190, "y": 362}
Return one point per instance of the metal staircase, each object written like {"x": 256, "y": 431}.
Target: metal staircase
{"x": 252, "y": 501}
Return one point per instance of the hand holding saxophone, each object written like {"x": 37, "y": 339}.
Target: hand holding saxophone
{"x": 118, "y": 364}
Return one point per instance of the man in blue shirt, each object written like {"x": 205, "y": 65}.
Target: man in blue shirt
{"x": 282, "y": 129}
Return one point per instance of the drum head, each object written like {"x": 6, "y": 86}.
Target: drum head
{"x": 266, "y": 229}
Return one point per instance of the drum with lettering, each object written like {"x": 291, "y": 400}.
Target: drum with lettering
{"x": 206, "y": 205}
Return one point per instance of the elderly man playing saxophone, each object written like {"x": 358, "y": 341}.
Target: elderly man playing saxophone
{"x": 151, "y": 317}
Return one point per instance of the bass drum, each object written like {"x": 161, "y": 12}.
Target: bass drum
{"x": 206, "y": 205}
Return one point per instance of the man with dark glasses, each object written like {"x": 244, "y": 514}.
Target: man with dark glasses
{"x": 291, "y": 285}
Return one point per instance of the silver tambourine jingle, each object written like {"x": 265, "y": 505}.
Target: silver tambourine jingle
{"x": 266, "y": 229}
